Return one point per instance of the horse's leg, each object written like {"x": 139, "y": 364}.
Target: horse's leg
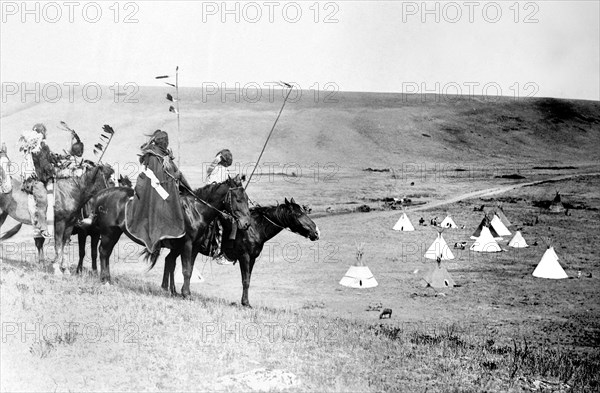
{"x": 94, "y": 239}
{"x": 186, "y": 267}
{"x": 81, "y": 236}
{"x": 59, "y": 230}
{"x": 107, "y": 243}
{"x": 246, "y": 264}
{"x": 66, "y": 262}
{"x": 39, "y": 244}
{"x": 168, "y": 282}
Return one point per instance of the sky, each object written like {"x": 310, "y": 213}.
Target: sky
{"x": 540, "y": 48}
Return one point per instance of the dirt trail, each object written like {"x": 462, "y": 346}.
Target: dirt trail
{"x": 473, "y": 194}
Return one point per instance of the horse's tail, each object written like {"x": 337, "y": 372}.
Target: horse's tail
{"x": 152, "y": 257}
{"x": 11, "y": 232}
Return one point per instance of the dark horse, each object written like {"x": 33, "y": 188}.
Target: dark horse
{"x": 265, "y": 223}
{"x": 71, "y": 194}
{"x": 91, "y": 231}
{"x": 200, "y": 209}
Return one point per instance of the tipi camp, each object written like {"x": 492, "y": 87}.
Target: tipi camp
{"x": 439, "y": 249}
{"x": 404, "y": 223}
{"x": 518, "y": 241}
{"x": 485, "y": 242}
{"x": 359, "y": 275}
{"x": 549, "y": 267}
{"x": 448, "y": 223}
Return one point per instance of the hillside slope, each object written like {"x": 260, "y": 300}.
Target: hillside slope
{"x": 360, "y": 130}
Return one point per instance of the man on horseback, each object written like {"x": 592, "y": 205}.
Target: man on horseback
{"x": 218, "y": 172}
{"x": 38, "y": 173}
{"x": 156, "y": 212}
{"x": 73, "y": 164}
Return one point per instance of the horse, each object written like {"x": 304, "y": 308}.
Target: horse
{"x": 200, "y": 208}
{"x": 84, "y": 231}
{"x": 265, "y": 223}
{"x": 71, "y": 194}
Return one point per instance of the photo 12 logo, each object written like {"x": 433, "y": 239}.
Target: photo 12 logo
{"x": 69, "y": 11}
{"x": 469, "y": 11}
{"x": 448, "y": 91}
{"x": 254, "y": 92}
{"x": 269, "y": 11}
{"x": 53, "y": 92}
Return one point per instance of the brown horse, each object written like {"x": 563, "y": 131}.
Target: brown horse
{"x": 265, "y": 223}
{"x": 200, "y": 209}
{"x": 70, "y": 196}
{"x": 83, "y": 232}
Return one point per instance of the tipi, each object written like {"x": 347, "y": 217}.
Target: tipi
{"x": 499, "y": 227}
{"x": 485, "y": 222}
{"x": 439, "y": 249}
{"x": 359, "y": 275}
{"x": 485, "y": 242}
{"x": 502, "y": 217}
{"x": 448, "y": 223}
{"x": 438, "y": 277}
{"x": 549, "y": 267}
{"x": 518, "y": 241}
{"x": 556, "y": 206}
{"x": 404, "y": 223}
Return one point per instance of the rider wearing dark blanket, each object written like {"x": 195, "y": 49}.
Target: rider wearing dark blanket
{"x": 156, "y": 212}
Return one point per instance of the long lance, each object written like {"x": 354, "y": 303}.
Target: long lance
{"x": 178, "y": 124}
{"x": 270, "y": 133}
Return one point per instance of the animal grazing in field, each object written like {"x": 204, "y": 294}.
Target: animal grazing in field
{"x": 200, "y": 208}
{"x": 386, "y": 311}
{"x": 265, "y": 223}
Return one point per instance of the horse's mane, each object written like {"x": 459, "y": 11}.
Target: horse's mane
{"x": 262, "y": 210}
{"x": 204, "y": 192}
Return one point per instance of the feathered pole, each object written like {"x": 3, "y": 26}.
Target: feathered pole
{"x": 290, "y": 87}
{"x": 175, "y": 109}
{"x": 105, "y": 137}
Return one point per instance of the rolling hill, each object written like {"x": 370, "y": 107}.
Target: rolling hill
{"x": 360, "y": 130}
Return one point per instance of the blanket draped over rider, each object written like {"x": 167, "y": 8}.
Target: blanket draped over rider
{"x": 155, "y": 213}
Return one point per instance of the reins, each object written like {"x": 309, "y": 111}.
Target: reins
{"x": 277, "y": 225}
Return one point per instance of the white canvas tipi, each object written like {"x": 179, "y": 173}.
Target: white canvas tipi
{"x": 448, "y": 223}
{"x": 439, "y": 248}
{"x": 549, "y": 267}
{"x": 499, "y": 227}
{"x": 359, "y": 275}
{"x": 438, "y": 277}
{"x": 404, "y": 224}
{"x": 518, "y": 241}
{"x": 485, "y": 242}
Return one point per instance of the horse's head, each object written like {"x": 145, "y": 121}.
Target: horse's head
{"x": 295, "y": 217}
{"x": 98, "y": 177}
{"x": 124, "y": 181}
{"x": 236, "y": 202}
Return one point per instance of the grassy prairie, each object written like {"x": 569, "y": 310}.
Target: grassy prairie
{"x": 500, "y": 330}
